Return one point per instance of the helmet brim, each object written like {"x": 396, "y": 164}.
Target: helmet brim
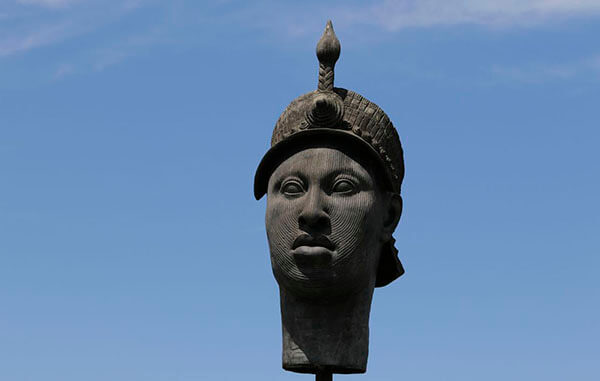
{"x": 322, "y": 137}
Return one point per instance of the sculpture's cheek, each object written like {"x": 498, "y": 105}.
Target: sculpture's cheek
{"x": 282, "y": 230}
{"x": 355, "y": 226}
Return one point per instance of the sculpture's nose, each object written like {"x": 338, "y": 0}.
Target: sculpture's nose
{"x": 314, "y": 217}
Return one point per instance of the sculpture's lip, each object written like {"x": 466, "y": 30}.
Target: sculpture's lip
{"x": 312, "y": 256}
{"x": 312, "y": 250}
{"x": 306, "y": 240}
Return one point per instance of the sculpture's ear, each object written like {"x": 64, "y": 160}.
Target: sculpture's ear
{"x": 392, "y": 216}
{"x": 389, "y": 267}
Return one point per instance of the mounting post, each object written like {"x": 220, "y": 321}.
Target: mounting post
{"x": 326, "y": 376}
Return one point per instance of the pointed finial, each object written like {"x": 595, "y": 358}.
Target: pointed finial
{"x": 328, "y": 48}
{"x": 328, "y": 52}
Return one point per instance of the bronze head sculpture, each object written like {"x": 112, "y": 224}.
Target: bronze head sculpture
{"x": 332, "y": 178}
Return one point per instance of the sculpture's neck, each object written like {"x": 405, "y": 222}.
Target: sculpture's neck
{"x": 332, "y": 337}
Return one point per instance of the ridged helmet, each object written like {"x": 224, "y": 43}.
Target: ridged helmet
{"x": 339, "y": 117}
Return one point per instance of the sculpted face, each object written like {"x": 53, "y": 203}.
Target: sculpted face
{"x": 326, "y": 222}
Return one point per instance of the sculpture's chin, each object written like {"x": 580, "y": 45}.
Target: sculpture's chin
{"x": 321, "y": 283}
{"x": 316, "y": 272}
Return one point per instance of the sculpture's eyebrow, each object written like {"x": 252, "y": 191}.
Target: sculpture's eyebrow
{"x": 347, "y": 170}
{"x": 280, "y": 176}
{"x": 291, "y": 173}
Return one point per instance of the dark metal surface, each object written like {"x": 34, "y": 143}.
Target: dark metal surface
{"x": 332, "y": 180}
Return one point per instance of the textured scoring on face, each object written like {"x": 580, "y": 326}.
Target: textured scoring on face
{"x": 324, "y": 223}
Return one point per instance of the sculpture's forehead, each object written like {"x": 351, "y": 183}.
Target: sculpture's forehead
{"x": 319, "y": 161}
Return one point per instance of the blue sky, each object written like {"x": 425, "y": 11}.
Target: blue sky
{"x": 131, "y": 247}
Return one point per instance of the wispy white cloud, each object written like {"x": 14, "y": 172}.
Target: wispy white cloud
{"x": 126, "y": 47}
{"x": 297, "y": 20}
{"x": 48, "y": 3}
{"x": 40, "y": 36}
{"x": 397, "y": 14}
{"x": 34, "y": 29}
{"x": 368, "y": 18}
{"x": 109, "y": 57}
{"x": 124, "y": 4}
{"x": 57, "y": 21}
{"x": 541, "y": 72}
{"x": 63, "y": 70}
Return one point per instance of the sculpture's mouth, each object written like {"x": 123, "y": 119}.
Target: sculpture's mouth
{"x": 313, "y": 241}
{"x": 313, "y": 251}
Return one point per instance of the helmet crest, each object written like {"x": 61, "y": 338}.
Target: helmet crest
{"x": 328, "y": 52}
{"x": 329, "y": 113}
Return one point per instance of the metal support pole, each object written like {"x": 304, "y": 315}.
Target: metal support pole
{"x": 324, "y": 376}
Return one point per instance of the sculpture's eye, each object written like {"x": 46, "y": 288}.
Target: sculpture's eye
{"x": 343, "y": 186}
{"x": 292, "y": 188}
